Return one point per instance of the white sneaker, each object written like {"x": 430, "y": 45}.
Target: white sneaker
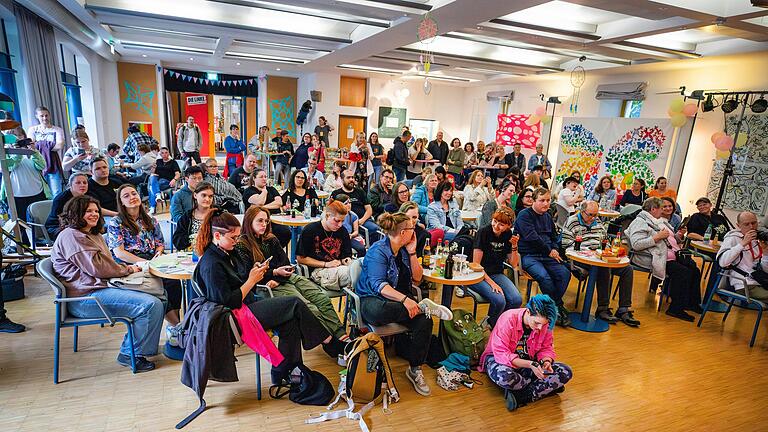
{"x": 459, "y": 292}
{"x": 419, "y": 383}
{"x": 430, "y": 308}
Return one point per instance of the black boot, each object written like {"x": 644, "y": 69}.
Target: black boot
{"x": 521, "y": 397}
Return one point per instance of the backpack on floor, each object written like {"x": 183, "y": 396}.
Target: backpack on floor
{"x": 368, "y": 380}
{"x": 309, "y": 387}
{"x": 464, "y": 335}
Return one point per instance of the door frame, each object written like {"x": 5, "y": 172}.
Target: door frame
{"x": 340, "y": 132}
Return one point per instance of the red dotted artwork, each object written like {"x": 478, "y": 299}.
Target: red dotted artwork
{"x": 512, "y": 129}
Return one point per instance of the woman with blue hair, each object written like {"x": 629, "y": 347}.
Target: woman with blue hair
{"x": 520, "y": 355}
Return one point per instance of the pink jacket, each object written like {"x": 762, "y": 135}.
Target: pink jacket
{"x": 509, "y": 330}
{"x": 255, "y": 337}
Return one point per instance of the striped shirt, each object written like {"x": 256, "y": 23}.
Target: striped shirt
{"x": 591, "y": 235}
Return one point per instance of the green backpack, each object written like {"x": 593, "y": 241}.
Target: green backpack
{"x": 464, "y": 335}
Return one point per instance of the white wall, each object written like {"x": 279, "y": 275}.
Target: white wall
{"x": 741, "y": 72}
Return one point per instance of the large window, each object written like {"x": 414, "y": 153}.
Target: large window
{"x": 631, "y": 108}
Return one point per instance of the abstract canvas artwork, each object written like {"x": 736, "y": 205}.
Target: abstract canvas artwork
{"x": 138, "y": 98}
{"x": 622, "y": 148}
{"x": 283, "y": 115}
{"x": 512, "y": 129}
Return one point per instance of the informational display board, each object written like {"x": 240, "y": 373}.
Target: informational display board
{"x": 391, "y": 121}
{"x": 423, "y": 128}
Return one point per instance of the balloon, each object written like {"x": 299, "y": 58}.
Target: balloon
{"x": 671, "y": 113}
{"x": 679, "y": 119}
{"x": 716, "y": 136}
{"x": 724, "y": 143}
{"x": 532, "y": 120}
{"x": 541, "y": 111}
{"x": 677, "y": 105}
{"x": 741, "y": 141}
{"x": 723, "y": 154}
{"x": 690, "y": 109}
{"x": 546, "y": 119}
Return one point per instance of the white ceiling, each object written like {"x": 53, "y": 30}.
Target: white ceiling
{"x": 480, "y": 39}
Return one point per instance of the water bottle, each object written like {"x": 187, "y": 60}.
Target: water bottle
{"x": 708, "y": 234}
{"x": 307, "y": 209}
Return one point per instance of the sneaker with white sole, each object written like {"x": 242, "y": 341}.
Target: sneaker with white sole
{"x": 430, "y": 308}
{"x": 172, "y": 335}
{"x": 419, "y": 383}
{"x": 459, "y": 292}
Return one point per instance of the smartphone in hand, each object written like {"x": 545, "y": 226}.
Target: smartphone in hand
{"x": 265, "y": 262}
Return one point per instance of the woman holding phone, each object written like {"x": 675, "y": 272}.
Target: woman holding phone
{"x": 256, "y": 243}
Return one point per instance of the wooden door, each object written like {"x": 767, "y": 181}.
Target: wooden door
{"x": 349, "y": 126}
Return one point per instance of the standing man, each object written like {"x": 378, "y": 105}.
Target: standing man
{"x": 134, "y": 139}
{"x": 515, "y": 159}
{"x": 360, "y": 204}
{"x": 323, "y": 130}
{"x": 586, "y": 225}
{"x": 438, "y": 148}
{"x": 540, "y": 159}
{"x": 49, "y": 141}
{"x": 235, "y": 149}
{"x": 538, "y": 251}
{"x": 400, "y": 151}
{"x": 189, "y": 140}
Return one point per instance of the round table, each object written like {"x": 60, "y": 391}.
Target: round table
{"x": 469, "y": 215}
{"x": 428, "y": 161}
{"x": 177, "y": 266}
{"x": 448, "y": 284}
{"x": 295, "y": 224}
{"x": 610, "y": 214}
{"x": 583, "y": 320}
{"x": 706, "y": 246}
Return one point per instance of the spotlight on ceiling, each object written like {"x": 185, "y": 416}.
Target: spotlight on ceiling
{"x": 708, "y": 104}
{"x": 760, "y": 105}
{"x": 730, "y": 105}
{"x": 556, "y": 100}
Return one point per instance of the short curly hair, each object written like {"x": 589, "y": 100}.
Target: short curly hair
{"x": 73, "y": 215}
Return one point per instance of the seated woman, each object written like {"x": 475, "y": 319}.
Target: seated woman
{"x": 256, "y": 244}
{"x": 257, "y": 192}
{"x": 400, "y": 195}
{"x": 84, "y": 264}
{"x": 425, "y": 194}
{"x": 134, "y": 236}
{"x": 220, "y": 283}
{"x": 506, "y": 192}
{"x": 189, "y": 223}
{"x": 352, "y": 226}
{"x": 335, "y": 179}
{"x": 478, "y": 191}
{"x": 495, "y": 244}
{"x": 520, "y": 354}
{"x": 298, "y": 192}
{"x": 605, "y": 193}
{"x": 78, "y": 186}
{"x": 386, "y": 295}
{"x": 655, "y": 247}
{"x": 524, "y": 201}
{"x": 422, "y": 235}
{"x": 635, "y": 195}
{"x": 444, "y": 212}
{"x": 661, "y": 190}
{"x": 668, "y": 213}
{"x": 324, "y": 247}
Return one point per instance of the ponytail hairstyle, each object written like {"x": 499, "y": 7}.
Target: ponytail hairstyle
{"x": 391, "y": 223}
{"x": 126, "y": 220}
{"x": 248, "y": 237}
{"x": 542, "y": 305}
{"x": 218, "y": 220}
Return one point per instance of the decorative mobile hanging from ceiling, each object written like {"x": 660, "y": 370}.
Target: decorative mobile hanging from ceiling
{"x": 578, "y": 75}
{"x": 427, "y": 32}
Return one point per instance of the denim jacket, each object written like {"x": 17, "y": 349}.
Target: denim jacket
{"x": 380, "y": 269}
{"x": 436, "y": 216}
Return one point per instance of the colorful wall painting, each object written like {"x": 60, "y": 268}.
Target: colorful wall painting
{"x": 623, "y": 148}
{"x": 282, "y": 113}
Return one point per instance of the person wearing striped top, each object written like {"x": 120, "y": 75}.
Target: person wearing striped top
{"x": 585, "y": 224}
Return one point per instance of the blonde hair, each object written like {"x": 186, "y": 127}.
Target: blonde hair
{"x": 532, "y": 180}
{"x": 427, "y": 179}
{"x": 391, "y": 223}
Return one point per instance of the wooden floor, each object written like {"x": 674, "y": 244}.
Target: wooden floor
{"x": 667, "y": 375}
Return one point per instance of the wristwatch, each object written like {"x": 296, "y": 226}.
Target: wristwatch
{"x": 535, "y": 363}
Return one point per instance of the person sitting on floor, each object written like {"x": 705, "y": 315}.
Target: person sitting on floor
{"x": 538, "y": 251}
{"x": 78, "y": 186}
{"x": 655, "y": 246}
{"x": 221, "y": 284}
{"x": 586, "y": 225}
{"x": 84, "y": 264}
{"x": 182, "y": 201}
{"x": 743, "y": 250}
{"x": 520, "y": 354}
{"x": 257, "y": 244}
{"x": 389, "y": 270}
{"x": 189, "y": 224}
{"x": 495, "y": 244}
{"x": 324, "y": 247}
{"x": 444, "y": 213}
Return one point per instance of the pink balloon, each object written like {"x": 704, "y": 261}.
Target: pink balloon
{"x": 541, "y": 111}
{"x": 716, "y": 136}
{"x": 689, "y": 109}
{"x": 724, "y": 143}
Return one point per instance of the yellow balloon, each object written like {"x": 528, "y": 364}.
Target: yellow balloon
{"x": 679, "y": 119}
{"x": 546, "y": 119}
{"x": 742, "y": 141}
{"x": 723, "y": 154}
{"x": 677, "y": 105}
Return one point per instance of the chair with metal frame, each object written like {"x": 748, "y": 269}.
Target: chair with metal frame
{"x": 303, "y": 270}
{"x": 63, "y": 319}
{"x": 37, "y": 214}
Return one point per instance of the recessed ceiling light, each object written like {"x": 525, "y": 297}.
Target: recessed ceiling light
{"x": 277, "y": 69}
{"x": 192, "y": 58}
{"x": 238, "y": 63}
{"x": 143, "y": 55}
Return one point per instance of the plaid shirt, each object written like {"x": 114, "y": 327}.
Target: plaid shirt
{"x": 223, "y": 189}
{"x": 133, "y": 141}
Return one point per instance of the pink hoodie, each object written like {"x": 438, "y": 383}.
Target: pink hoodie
{"x": 509, "y": 330}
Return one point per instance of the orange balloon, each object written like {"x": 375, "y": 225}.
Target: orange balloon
{"x": 690, "y": 109}
{"x": 716, "y": 136}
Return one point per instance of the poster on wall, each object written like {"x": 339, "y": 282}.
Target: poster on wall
{"x": 512, "y": 129}
{"x": 423, "y": 128}
{"x": 747, "y": 188}
{"x": 623, "y": 148}
{"x": 145, "y": 127}
{"x": 283, "y": 115}
{"x": 391, "y": 120}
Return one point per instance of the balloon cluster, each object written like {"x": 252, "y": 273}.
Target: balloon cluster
{"x": 724, "y": 143}
{"x": 540, "y": 115}
{"x": 679, "y": 111}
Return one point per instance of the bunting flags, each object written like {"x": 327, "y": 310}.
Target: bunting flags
{"x": 196, "y": 80}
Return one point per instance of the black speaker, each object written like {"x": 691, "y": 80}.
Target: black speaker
{"x": 316, "y": 95}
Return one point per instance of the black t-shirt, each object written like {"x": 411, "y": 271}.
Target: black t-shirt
{"x": 495, "y": 249}
{"x": 105, "y": 194}
{"x": 521, "y": 349}
{"x": 322, "y": 133}
{"x": 378, "y": 150}
{"x": 315, "y": 242}
{"x": 290, "y": 196}
{"x": 166, "y": 170}
{"x": 252, "y": 190}
{"x": 631, "y": 198}
{"x": 57, "y": 206}
{"x": 699, "y": 222}
{"x": 238, "y": 178}
{"x": 357, "y": 198}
